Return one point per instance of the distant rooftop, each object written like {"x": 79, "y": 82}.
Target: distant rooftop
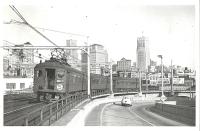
{"x": 96, "y": 45}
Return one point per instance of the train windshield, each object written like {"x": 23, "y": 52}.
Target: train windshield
{"x": 50, "y": 78}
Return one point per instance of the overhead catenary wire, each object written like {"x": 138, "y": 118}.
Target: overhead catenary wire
{"x": 42, "y": 57}
{"x": 17, "y": 12}
{"x": 25, "y": 22}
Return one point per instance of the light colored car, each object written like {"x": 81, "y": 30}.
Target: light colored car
{"x": 126, "y": 101}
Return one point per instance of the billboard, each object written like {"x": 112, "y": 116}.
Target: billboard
{"x": 178, "y": 81}
{"x": 165, "y": 81}
{"x": 153, "y": 82}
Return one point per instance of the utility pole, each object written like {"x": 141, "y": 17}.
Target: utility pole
{"x": 140, "y": 84}
{"x": 172, "y": 92}
{"x": 163, "y": 98}
{"x": 88, "y": 69}
{"x": 146, "y": 82}
{"x": 111, "y": 80}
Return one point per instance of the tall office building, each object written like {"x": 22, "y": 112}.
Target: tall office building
{"x": 98, "y": 59}
{"x": 72, "y": 55}
{"x": 143, "y": 55}
{"x": 84, "y": 60}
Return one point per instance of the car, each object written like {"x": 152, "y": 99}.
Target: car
{"x": 126, "y": 101}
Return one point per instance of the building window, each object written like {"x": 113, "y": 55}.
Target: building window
{"x": 22, "y": 85}
{"x": 39, "y": 73}
{"x": 10, "y": 85}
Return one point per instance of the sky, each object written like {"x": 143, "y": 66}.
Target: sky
{"x": 170, "y": 27}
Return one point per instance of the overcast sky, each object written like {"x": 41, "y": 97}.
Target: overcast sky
{"x": 114, "y": 24}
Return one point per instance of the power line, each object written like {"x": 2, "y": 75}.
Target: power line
{"x": 40, "y": 56}
{"x": 57, "y": 31}
{"x": 25, "y": 22}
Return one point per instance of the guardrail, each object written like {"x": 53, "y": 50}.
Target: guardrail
{"x": 50, "y": 112}
{"x": 54, "y": 110}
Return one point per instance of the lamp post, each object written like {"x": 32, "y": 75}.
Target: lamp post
{"x": 162, "y": 96}
{"x": 146, "y": 73}
{"x": 111, "y": 80}
{"x": 172, "y": 92}
{"x": 140, "y": 84}
{"x": 146, "y": 80}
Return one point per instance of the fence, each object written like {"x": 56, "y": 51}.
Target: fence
{"x": 54, "y": 110}
{"x": 50, "y": 112}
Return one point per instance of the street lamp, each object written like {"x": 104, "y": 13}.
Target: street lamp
{"x": 111, "y": 81}
{"x": 162, "y": 96}
{"x": 140, "y": 83}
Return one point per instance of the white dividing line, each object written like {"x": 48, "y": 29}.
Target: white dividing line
{"x": 20, "y": 108}
{"x": 101, "y": 114}
{"x": 141, "y": 117}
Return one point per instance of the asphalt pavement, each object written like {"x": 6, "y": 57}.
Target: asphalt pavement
{"x": 77, "y": 116}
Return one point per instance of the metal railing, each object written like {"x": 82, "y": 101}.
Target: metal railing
{"x": 50, "y": 112}
{"x": 56, "y": 109}
{"x": 53, "y": 111}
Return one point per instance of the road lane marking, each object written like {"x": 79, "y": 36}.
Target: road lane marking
{"x": 141, "y": 117}
{"x": 101, "y": 114}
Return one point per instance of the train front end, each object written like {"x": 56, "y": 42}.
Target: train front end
{"x": 49, "y": 81}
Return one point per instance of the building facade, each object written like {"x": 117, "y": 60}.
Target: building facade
{"x": 98, "y": 59}
{"x": 114, "y": 68}
{"x": 19, "y": 62}
{"x": 18, "y": 68}
{"x": 143, "y": 54}
{"x": 124, "y": 68}
{"x": 84, "y": 61}
{"x": 72, "y": 55}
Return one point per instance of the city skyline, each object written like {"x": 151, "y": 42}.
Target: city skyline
{"x": 116, "y": 28}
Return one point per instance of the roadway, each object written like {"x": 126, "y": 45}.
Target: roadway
{"x": 113, "y": 114}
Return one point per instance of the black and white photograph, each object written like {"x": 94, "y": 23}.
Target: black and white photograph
{"x": 100, "y": 63}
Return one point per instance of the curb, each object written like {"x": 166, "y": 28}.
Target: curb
{"x": 79, "y": 119}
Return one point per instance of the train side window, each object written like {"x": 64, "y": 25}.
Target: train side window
{"x": 10, "y": 85}
{"x": 39, "y": 73}
{"x": 60, "y": 74}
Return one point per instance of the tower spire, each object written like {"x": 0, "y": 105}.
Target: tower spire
{"x": 142, "y": 33}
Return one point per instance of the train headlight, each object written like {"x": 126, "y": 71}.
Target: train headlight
{"x": 59, "y": 87}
